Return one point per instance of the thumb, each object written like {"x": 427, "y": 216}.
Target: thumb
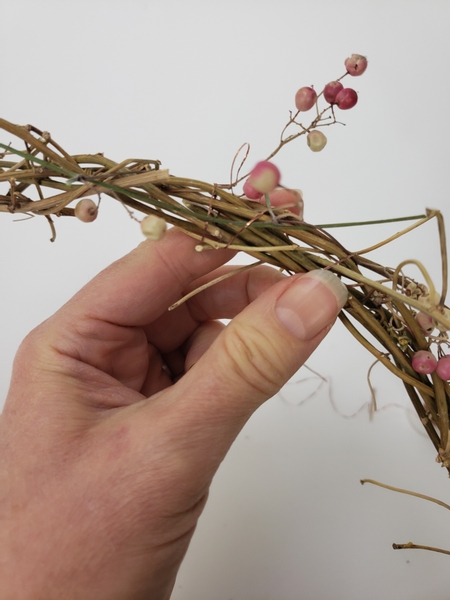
{"x": 261, "y": 349}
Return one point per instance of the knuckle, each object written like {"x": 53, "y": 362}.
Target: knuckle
{"x": 255, "y": 358}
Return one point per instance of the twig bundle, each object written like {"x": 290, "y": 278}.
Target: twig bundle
{"x": 218, "y": 218}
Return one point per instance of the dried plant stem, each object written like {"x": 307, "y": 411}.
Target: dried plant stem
{"x": 45, "y": 180}
{"x": 408, "y": 492}
{"x": 410, "y": 545}
{"x": 431, "y": 214}
{"x": 205, "y": 286}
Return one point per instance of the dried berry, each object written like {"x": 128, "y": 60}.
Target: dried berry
{"x": 346, "y": 98}
{"x": 356, "y": 65}
{"x": 331, "y": 90}
{"x": 86, "y": 210}
{"x": 305, "y": 98}
{"x": 316, "y": 140}
{"x": 443, "y": 368}
{"x": 250, "y": 191}
{"x": 292, "y": 200}
{"x": 424, "y": 362}
{"x": 263, "y": 179}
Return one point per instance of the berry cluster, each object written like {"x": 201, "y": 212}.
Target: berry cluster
{"x": 263, "y": 183}
{"x": 334, "y": 93}
{"x": 264, "y": 180}
{"x": 424, "y": 361}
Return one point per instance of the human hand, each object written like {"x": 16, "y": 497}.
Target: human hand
{"x": 105, "y": 461}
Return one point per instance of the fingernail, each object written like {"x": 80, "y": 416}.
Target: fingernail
{"x": 311, "y": 303}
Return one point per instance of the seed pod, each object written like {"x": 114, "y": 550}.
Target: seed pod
{"x": 86, "y": 210}
{"x": 153, "y": 227}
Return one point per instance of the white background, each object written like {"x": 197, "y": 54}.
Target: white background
{"x": 187, "y": 82}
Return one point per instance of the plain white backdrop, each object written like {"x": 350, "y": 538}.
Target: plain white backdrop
{"x": 187, "y": 82}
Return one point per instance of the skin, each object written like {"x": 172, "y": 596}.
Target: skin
{"x": 119, "y": 414}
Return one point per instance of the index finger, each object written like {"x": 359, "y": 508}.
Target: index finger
{"x": 138, "y": 288}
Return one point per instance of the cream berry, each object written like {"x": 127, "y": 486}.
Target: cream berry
{"x": 316, "y": 140}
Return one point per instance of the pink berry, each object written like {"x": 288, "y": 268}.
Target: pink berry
{"x": 305, "y": 98}
{"x": 424, "y": 362}
{"x": 443, "y": 368}
{"x": 331, "y": 90}
{"x": 250, "y": 191}
{"x": 263, "y": 178}
{"x": 292, "y": 200}
{"x": 86, "y": 210}
{"x": 356, "y": 65}
{"x": 316, "y": 140}
{"x": 346, "y": 98}
{"x": 426, "y": 323}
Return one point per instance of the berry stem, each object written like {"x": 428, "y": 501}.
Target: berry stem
{"x": 411, "y": 546}
{"x": 317, "y": 122}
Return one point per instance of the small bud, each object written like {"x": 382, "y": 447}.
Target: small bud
{"x": 264, "y": 178}
{"x": 443, "y": 368}
{"x": 153, "y": 227}
{"x": 292, "y": 200}
{"x": 316, "y": 140}
{"x": 356, "y": 65}
{"x": 424, "y": 362}
{"x": 331, "y": 90}
{"x": 346, "y": 98}
{"x": 305, "y": 98}
{"x": 86, "y": 210}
